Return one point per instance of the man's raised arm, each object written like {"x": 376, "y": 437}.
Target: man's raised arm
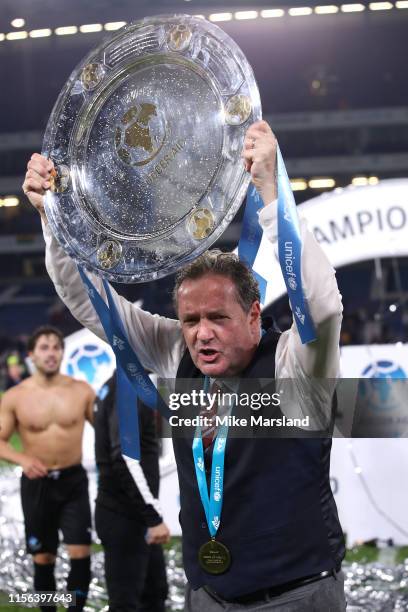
{"x": 157, "y": 340}
{"x": 320, "y": 358}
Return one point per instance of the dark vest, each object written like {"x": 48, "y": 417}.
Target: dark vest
{"x": 279, "y": 518}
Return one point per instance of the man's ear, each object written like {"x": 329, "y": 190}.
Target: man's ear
{"x": 255, "y": 313}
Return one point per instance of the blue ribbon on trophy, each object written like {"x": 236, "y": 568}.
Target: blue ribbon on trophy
{"x": 251, "y": 236}
{"x": 290, "y": 253}
{"x": 289, "y": 246}
{"x": 133, "y": 382}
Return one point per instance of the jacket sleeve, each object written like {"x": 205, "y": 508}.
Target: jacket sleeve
{"x": 158, "y": 341}
{"x": 320, "y": 358}
{"x": 308, "y": 372}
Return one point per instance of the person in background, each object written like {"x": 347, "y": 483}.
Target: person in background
{"x": 15, "y": 372}
{"x": 127, "y": 514}
{"x": 48, "y": 410}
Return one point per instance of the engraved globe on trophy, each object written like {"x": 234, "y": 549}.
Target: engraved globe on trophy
{"x": 146, "y": 138}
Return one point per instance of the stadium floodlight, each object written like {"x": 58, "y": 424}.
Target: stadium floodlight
{"x": 40, "y": 33}
{"x": 359, "y": 181}
{"x": 352, "y": 8}
{"x": 300, "y": 11}
{"x": 17, "y": 35}
{"x": 18, "y": 22}
{"x": 2, "y": 37}
{"x": 9, "y": 201}
{"x": 401, "y": 4}
{"x": 298, "y": 184}
{"x": 380, "y": 6}
{"x": 240, "y": 15}
{"x": 273, "y": 13}
{"x": 220, "y": 17}
{"x": 90, "y": 27}
{"x": 114, "y": 25}
{"x": 322, "y": 183}
{"x": 326, "y": 9}
{"x": 66, "y": 30}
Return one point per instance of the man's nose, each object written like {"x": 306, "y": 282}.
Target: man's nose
{"x": 204, "y": 331}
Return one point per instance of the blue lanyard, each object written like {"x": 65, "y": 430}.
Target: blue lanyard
{"x": 290, "y": 253}
{"x": 251, "y": 236}
{"x": 212, "y": 500}
{"x": 132, "y": 380}
{"x": 289, "y": 246}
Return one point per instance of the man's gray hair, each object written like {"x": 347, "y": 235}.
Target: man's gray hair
{"x": 223, "y": 264}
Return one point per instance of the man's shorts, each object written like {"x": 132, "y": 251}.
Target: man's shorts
{"x": 58, "y": 501}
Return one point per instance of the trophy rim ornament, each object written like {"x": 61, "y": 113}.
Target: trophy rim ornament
{"x": 98, "y": 238}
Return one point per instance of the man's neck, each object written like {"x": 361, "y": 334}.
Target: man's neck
{"x": 45, "y": 381}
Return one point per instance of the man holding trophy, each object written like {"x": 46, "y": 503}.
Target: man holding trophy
{"x": 277, "y": 543}
{"x": 292, "y": 559}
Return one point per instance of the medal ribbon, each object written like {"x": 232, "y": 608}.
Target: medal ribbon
{"x": 251, "y": 236}
{"x": 212, "y": 501}
{"x": 132, "y": 380}
{"x": 290, "y": 253}
{"x": 289, "y": 247}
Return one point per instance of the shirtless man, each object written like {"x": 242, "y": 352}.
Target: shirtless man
{"x": 48, "y": 410}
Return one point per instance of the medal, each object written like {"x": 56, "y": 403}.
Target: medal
{"x": 214, "y": 557}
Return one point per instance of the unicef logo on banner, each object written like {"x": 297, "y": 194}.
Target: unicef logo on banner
{"x": 88, "y": 358}
{"x": 382, "y": 391}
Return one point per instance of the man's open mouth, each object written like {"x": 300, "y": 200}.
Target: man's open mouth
{"x": 208, "y": 354}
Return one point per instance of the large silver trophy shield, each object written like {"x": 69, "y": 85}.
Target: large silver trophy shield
{"x": 146, "y": 137}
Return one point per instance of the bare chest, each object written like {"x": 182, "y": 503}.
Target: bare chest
{"x": 39, "y": 410}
